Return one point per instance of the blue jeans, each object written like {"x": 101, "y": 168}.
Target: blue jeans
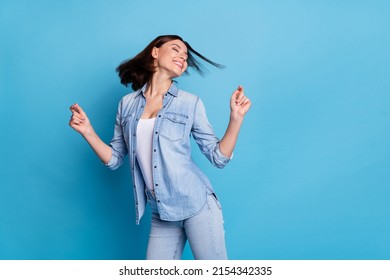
{"x": 204, "y": 232}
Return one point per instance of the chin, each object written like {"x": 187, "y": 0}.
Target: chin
{"x": 176, "y": 75}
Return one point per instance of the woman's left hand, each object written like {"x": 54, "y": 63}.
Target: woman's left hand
{"x": 239, "y": 103}
{"x": 239, "y": 106}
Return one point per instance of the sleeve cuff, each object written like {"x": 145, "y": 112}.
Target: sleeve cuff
{"x": 223, "y": 158}
{"x": 112, "y": 161}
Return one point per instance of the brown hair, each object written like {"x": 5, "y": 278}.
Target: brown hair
{"x": 139, "y": 70}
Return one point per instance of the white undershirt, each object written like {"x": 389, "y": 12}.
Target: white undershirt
{"x": 144, "y": 149}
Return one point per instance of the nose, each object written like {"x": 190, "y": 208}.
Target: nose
{"x": 183, "y": 57}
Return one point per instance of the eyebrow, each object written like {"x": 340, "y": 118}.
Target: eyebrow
{"x": 174, "y": 44}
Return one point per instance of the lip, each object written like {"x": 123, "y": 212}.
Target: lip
{"x": 178, "y": 64}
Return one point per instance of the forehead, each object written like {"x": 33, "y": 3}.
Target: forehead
{"x": 177, "y": 43}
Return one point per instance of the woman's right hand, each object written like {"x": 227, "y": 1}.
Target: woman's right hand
{"x": 79, "y": 120}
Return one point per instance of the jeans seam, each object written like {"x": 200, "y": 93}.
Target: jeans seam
{"x": 211, "y": 226}
{"x": 177, "y": 246}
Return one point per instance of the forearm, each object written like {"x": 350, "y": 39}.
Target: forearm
{"x": 229, "y": 140}
{"x": 102, "y": 150}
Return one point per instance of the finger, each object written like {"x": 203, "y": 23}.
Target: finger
{"x": 77, "y": 118}
{"x": 76, "y": 108}
{"x": 246, "y": 103}
{"x": 77, "y": 111}
{"x": 240, "y": 98}
{"x": 235, "y": 94}
{"x": 73, "y": 108}
{"x": 74, "y": 122}
{"x": 80, "y": 110}
{"x": 74, "y": 126}
{"x": 238, "y": 90}
{"x": 241, "y": 101}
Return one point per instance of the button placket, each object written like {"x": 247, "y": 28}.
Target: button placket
{"x": 155, "y": 142}
{"x": 138, "y": 114}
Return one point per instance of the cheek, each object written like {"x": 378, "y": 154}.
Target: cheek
{"x": 185, "y": 67}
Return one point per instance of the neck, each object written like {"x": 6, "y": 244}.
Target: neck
{"x": 158, "y": 86}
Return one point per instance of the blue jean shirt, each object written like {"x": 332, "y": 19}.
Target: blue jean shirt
{"x": 180, "y": 186}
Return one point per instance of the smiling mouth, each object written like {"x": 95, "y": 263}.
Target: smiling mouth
{"x": 178, "y": 64}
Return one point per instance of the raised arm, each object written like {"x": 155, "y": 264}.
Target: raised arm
{"x": 239, "y": 106}
{"x": 79, "y": 121}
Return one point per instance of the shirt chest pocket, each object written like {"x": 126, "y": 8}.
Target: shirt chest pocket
{"x": 125, "y": 125}
{"x": 173, "y": 126}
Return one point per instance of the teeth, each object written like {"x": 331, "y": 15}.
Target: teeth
{"x": 178, "y": 64}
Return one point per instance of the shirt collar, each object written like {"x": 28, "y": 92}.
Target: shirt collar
{"x": 173, "y": 90}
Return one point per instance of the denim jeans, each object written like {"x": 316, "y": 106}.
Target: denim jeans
{"x": 204, "y": 232}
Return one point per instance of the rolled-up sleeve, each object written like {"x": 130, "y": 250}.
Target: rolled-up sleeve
{"x": 206, "y": 139}
{"x": 117, "y": 144}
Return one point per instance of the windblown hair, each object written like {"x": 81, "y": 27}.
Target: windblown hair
{"x": 139, "y": 70}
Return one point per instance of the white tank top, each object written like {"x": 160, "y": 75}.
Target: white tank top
{"x": 144, "y": 149}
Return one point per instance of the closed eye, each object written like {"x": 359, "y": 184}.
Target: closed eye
{"x": 177, "y": 49}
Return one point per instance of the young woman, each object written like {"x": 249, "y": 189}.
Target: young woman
{"x": 154, "y": 125}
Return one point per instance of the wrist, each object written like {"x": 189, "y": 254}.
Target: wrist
{"x": 89, "y": 133}
{"x": 236, "y": 117}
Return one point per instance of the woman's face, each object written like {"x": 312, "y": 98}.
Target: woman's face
{"x": 171, "y": 58}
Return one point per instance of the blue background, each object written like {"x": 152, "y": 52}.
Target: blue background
{"x": 309, "y": 179}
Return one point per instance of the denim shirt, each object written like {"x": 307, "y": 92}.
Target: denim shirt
{"x": 180, "y": 186}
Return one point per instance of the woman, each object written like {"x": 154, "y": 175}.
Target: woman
{"x": 153, "y": 125}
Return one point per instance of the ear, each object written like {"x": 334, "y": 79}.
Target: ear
{"x": 155, "y": 52}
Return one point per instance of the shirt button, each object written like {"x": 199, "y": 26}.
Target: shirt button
{"x": 155, "y": 166}
{"x": 154, "y": 150}
{"x": 155, "y": 132}
{"x": 159, "y": 116}
{"x": 156, "y": 185}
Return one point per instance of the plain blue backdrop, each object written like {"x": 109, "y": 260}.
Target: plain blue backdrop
{"x": 310, "y": 174}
